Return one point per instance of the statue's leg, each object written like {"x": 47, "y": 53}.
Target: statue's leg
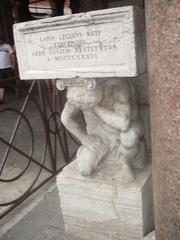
{"x": 132, "y": 151}
{"x": 129, "y": 148}
{"x": 125, "y": 175}
{"x": 134, "y": 157}
{"x": 141, "y": 158}
{"x": 88, "y": 156}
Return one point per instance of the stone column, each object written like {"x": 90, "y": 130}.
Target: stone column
{"x": 162, "y": 39}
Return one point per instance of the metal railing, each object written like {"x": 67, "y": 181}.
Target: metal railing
{"x": 48, "y": 103}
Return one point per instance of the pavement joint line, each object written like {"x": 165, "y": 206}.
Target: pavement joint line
{"x": 25, "y": 207}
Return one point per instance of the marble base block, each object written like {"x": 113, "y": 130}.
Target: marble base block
{"x": 101, "y": 208}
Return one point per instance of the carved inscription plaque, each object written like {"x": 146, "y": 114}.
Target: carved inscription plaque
{"x": 94, "y": 44}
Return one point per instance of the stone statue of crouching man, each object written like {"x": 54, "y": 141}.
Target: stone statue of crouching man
{"x": 112, "y": 129}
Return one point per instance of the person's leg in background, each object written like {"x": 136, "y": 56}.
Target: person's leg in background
{"x": 74, "y": 5}
{"x": 2, "y": 91}
{"x": 23, "y": 10}
{"x": 1, "y": 95}
{"x": 9, "y": 73}
{"x": 57, "y": 7}
{"x": 101, "y": 4}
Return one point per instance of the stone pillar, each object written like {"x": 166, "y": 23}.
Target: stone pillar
{"x": 6, "y": 20}
{"x": 162, "y": 39}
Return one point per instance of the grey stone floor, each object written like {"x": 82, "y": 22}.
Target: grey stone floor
{"x": 44, "y": 222}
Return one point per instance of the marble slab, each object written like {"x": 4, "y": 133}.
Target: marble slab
{"x": 101, "y": 208}
{"x": 104, "y": 43}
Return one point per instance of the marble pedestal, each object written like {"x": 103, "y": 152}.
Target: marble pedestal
{"x": 101, "y": 208}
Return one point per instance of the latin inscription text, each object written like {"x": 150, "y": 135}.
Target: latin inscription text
{"x": 72, "y": 46}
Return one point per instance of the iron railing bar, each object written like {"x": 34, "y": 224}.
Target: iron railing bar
{"x": 72, "y": 156}
{"x": 65, "y": 145}
{"x": 55, "y": 140}
{"x": 74, "y": 139}
{"x": 78, "y": 143}
{"x": 62, "y": 148}
{"x": 42, "y": 103}
{"x": 54, "y": 95}
{"x": 53, "y": 109}
{"x": 48, "y": 101}
{"x": 65, "y": 142}
{"x": 24, "y": 154}
{"x": 55, "y": 122}
{"x": 16, "y": 126}
{"x": 63, "y": 129}
{"x": 54, "y": 117}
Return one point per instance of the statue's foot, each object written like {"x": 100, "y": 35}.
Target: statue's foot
{"x": 125, "y": 175}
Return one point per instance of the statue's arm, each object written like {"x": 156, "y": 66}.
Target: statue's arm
{"x": 68, "y": 119}
{"x": 118, "y": 118}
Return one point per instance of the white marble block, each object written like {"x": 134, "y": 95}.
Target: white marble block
{"x": 94, "y": 44}
{"x": 101, "y": 208}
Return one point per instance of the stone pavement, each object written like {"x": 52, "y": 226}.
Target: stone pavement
{"x": 43, "y": 222}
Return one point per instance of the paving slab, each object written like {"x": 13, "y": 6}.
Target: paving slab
{"x": 43, "y": 222}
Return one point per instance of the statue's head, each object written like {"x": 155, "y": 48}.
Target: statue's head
{"x": 86, "y": 95}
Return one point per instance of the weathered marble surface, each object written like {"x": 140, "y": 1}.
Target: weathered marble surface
{"x": 113, "y": 129}
{"x": 94, "y": 44}
{"x": 101, "y": 208}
